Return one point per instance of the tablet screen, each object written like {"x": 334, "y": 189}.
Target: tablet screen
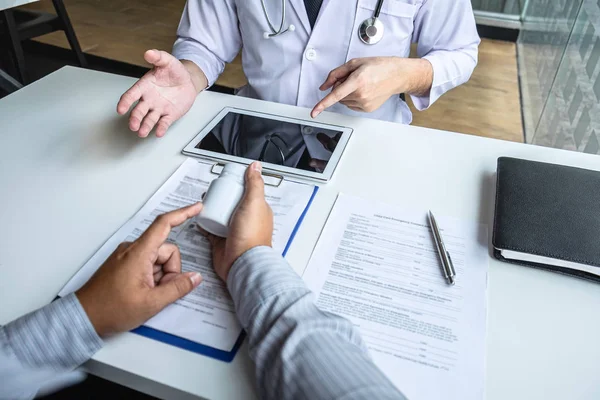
{"x": 272, "y": 141}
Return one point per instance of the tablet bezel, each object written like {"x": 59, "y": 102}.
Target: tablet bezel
{"x": 325, "y": 176}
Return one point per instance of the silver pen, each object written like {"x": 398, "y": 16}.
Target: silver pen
{"x": 447, "y": 267}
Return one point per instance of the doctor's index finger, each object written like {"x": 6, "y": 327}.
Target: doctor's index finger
{"x": 159, "y": 231}
{"x": 336, "y": 95}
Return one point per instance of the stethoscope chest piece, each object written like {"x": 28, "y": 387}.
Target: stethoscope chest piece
{"x": 371, "y": 31}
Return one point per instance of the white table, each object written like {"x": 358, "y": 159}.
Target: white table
{"x": 71, "y": 173}
{"x": 5, "y": 4}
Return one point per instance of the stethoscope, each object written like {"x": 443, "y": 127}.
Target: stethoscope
{"x": 280, "y": 31}
{"x": 370, "y": 31}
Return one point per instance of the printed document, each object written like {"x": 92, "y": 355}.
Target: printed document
{"x": 378, "y": 266}
{"x": 206, "y": 315}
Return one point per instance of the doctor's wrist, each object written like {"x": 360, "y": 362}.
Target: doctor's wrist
{"x": 415, "y": 76}
{"x": 196, "y": 74}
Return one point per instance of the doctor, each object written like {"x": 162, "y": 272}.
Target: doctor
{"x": 349, "y": 56}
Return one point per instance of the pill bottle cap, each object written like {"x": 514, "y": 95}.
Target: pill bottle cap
{"x": 235, "y": 171}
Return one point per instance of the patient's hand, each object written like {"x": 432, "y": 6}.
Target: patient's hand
{"x": 139, "y": 279}
{"x": 251, "y": 225}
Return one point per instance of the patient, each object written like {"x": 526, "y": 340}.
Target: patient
{"x": 299, "y": 351}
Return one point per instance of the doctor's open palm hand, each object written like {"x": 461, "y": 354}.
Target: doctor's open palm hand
{"x": 164, "y": 94}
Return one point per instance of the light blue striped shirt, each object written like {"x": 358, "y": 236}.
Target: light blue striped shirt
{"x": 300, "y": 352}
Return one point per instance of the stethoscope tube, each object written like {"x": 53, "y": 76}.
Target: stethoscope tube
{"x": 370, "y": 31}
{"x": 378, "y": 9}
{"x": 280, "y": 31}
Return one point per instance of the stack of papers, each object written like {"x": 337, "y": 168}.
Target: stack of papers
{"x": 205, "y": 320}
{"x": 378, "y": 266}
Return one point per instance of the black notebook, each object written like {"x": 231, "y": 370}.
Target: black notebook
{"x": 548, "y": 216}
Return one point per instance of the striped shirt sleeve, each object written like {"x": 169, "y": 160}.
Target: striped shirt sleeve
{"x": 300, "y": 351}
{"x": 39, "y": 348}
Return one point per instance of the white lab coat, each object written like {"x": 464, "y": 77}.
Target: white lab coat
{"x": 290, "y": 68}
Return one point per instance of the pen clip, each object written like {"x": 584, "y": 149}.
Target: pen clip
{"x": 444, "y": 256}
{"x": 451, "y": 265}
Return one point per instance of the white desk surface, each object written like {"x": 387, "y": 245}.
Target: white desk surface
{"x": 5, "y": 4}
{"x": 71, "y": 173}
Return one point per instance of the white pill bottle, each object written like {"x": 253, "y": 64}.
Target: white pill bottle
{"x": 221, "y": 200}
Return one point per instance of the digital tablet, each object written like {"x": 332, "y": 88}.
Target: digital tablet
{"x": 285, "y": 146}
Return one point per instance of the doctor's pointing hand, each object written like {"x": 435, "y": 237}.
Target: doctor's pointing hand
{"x": 347, "y": 56}
{"x": 364, "y": 84}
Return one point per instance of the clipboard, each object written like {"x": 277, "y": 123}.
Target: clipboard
{"x": 222, "y": 355}
{"x": 190, "y": 345}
